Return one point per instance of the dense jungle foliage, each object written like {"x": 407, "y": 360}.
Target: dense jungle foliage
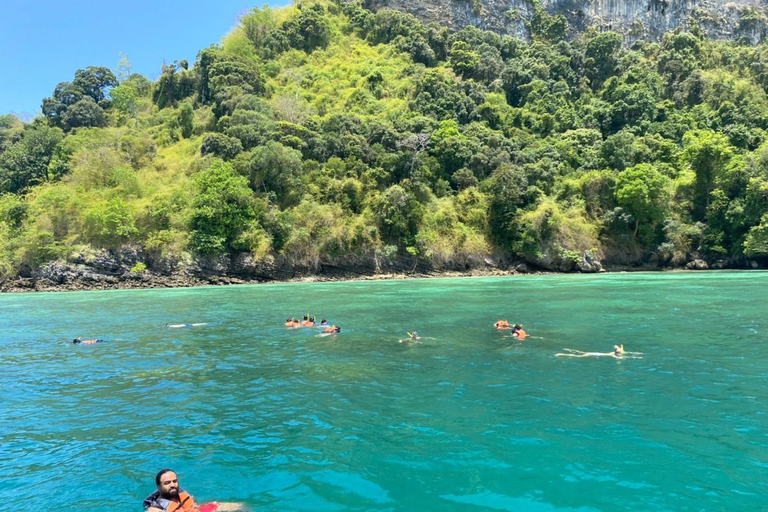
{"x": 327, "y": 130}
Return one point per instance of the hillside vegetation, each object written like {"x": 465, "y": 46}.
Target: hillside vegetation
{"x": 327, "y": 131}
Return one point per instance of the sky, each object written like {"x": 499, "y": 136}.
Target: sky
{"x": 43, "y": 42}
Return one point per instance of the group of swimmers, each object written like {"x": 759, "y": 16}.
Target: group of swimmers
{"x": 618, "y": 350}
{"x": 310, "y": 321}
{"x": 414, "y": 337}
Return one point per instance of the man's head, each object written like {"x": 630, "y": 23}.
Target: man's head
{"x": 167, "y": 482}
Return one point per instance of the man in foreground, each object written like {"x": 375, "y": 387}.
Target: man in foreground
{"x": 170, "y": 497}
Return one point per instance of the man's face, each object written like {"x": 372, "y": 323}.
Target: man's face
{"x": 169, "y": 484}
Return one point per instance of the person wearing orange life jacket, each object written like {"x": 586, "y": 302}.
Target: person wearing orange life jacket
{"x": 518, "y": 332}
{"x": 169, "y": 497}
{"x": 332, "y": 329}
{"x": 502, "y": 324}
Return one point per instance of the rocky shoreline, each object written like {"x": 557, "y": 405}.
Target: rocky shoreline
{"x": 125, "y": 269}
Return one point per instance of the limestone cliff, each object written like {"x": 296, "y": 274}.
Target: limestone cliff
{"x": 636, "y": 19}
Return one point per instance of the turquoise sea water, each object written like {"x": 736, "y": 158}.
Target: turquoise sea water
{"x": 246, "y": 410}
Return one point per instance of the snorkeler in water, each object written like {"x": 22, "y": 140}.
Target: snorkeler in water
{"x": 518, "y": 332}
{"x": 413, "y": 337}
{"x": 618, "y": 353}
{"x": 330, "y": 330}
{"x": 78, "y": 341}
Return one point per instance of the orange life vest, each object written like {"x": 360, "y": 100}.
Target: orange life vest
{"x": 185, "y": 503}
{"x": 521, "y": 334}
{"x": 502, "y": 324}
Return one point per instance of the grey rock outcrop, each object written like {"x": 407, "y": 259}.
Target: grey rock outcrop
{"x": 697, "y": 265}
{"x": 636, "y": 19}
{"x": 589, "y": 264}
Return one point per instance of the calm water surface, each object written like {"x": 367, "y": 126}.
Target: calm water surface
{"x": 246, "y": 410}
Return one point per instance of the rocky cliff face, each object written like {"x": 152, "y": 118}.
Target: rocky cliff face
{"x": 636, "y": 19}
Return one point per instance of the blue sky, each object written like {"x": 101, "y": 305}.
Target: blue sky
{"x": 43, "y": 42}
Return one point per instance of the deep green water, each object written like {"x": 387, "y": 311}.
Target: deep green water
{"x": 248, "y": 411}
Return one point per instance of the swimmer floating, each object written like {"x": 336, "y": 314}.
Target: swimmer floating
{"x": 413, "y": 337}
{"x": 618, "y": 353}
{"x": 77, "y": 341}
{"x": 331, "y": 329}
{"x": 517, "y": 329}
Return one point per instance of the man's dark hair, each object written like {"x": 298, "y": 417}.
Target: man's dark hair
{"x": 161, "y": 473}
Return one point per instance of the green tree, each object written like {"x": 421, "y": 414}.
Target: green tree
{"x": 309, "y": 30}
{"x": 258, "y": 24}
{"x": 398, "y": 215}
{"x": 125, "y": 98}
{"x": 464, "y": 60}
{"x": 547, "y": 27}
{"x": 110, "y": 223}
{"x": 708, "y": 153}
{"x": 220, "y": 145}
{"x": 643, "y": 192}
{"x": 222, "y": 209}
{"x": 26, "y": 162}
{"x": 756, "y": 243}
{"x": 64, "y": 95}
{"x": 86, "y": 113}
{"x": 508, "y": 187}
{"x": 274, "y": 168}
{"x": 601, "y": 57}
{"x": 186, "y": 119}
{"x": 94, "y": 81}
